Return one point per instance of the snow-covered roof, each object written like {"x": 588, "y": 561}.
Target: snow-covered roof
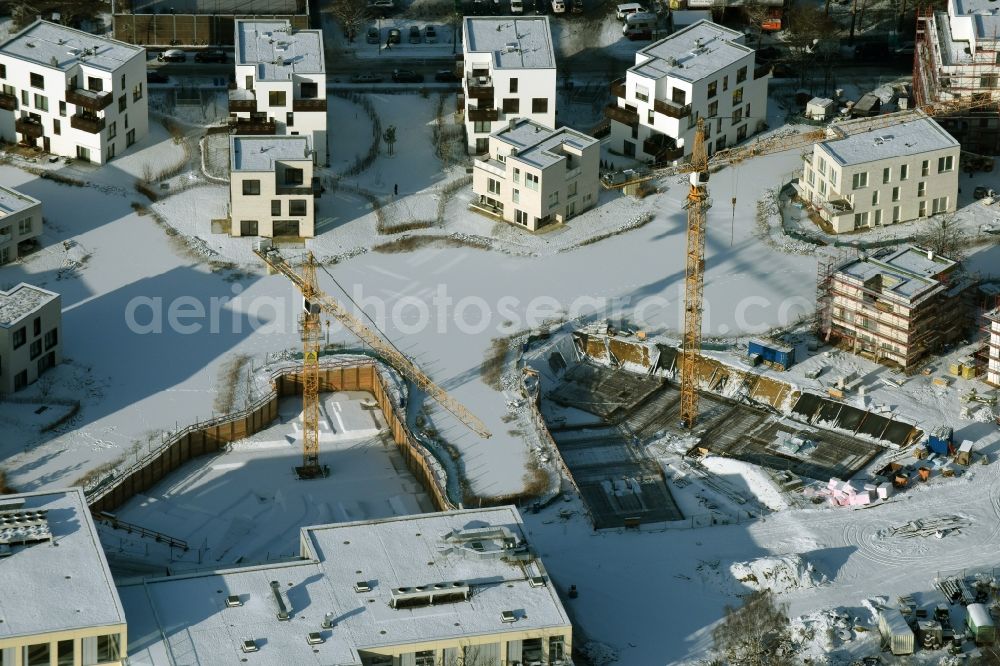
{"x": 538, "y": 145}
{"x": 63, "y": 48}
{"x": 514, "y": 43}
{"x": 994, "y": 316}
{"x": 259, "y": 152}
{"x": 446, "y": 548}
{"x": 910, "y": 273}
{"x": 12, "y": 201}
{"x": 985, "y": 16}
{"x": 22, "y": 301}
{"x": 277, "y": 50}
{"x": 691, "y": 54}
{"x": 922, "y": 135}
{"x": 61, "y": 584}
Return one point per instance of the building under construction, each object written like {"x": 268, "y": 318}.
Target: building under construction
{"x": 196, "y": 22}
{"x": 893, "y": 307}
{"x": 992, "y": 348}
{"x": 956, "y": 60}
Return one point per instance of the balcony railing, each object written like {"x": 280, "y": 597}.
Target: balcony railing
{"x": 671, "y": 109}
{"x": 252, "y": 126}
{"x": 621, "y": 114}
{"x": 483, "y": 115}
{"x": 91, "y": 124}
{"x": 309, "y": 104}
{"x": 837, "y": 207}
{"x": 8, "y": 102}
{"x": 296, "y": 190}
{"x": 618, "y": 88}
{"x": 492, "y": 166}
{"x": 92, "y": 100}
{"x": 663, "y": 148}
{"x": 31, "y": 129}
{"x": 479, "y": 87}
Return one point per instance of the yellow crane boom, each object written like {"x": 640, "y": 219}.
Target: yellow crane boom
{"x": 379, "y": 345}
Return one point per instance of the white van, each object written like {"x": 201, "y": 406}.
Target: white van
{"x": 640, "y": 20}
{"x": 629, "y": 8}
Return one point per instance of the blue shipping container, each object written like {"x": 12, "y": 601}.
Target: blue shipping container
{"x": 940, "y": 440}
{"x": 772, "y": 352}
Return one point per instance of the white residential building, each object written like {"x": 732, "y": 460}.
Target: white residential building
{"x": 30, "y": 319}
{"x": 509, "y": 72}
{"x": 60, "y": 605}
{"x": 993, "y": 360}
{"x": 534, "y": 176}
{"x": 20, "y": 222}
{"x": 702, "y": 71}
{"x": 270, "y": 191}
{"x": 72, "y": 93}
{"x": 280, "y": 83}
{"x": 885, "y": 176}
{"x": 457, "y": 587}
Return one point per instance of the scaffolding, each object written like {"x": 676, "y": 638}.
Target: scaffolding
{"x": 987, "y": 309}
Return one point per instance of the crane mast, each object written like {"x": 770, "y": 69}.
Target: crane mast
{"x": 311, "y": 328}
{"x": 694, "y": 277}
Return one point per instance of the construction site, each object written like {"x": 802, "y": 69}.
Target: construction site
{"x": 196, "y": 22}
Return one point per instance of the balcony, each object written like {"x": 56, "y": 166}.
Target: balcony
{"x": 8, "y": 102}
{"x": 491, "y": 166}
{"x": 31, "y": 129}
{"x": 761, "y": 71}
{"x": 618, "y": 88}
{"x": 671, "y": 109}
{"x": 242, "y": 100}
{"x": 294, "y": 190}
{"x": 621, "y": 115}
{"x": 836, "y": 207}
{"x": 92, "y": 100}
{"x": 309, "y": 104}
{"x": 479, "y": 87}
{"x": 251, "y": 126}
{"x": 483, "y": 115}
{"x": 91, "y": 124}
{"x": 663, "y": 148}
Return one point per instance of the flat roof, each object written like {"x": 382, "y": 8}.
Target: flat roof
{"x": 259, "y": 153}
{"x": 423, "y": 550}
{"x": 922, "y": 135}
{"x": 62, "y": 48}
{"x": 538, "y": 145}
{"x": 910, "y": 273}
{"x": 62, "y": 584}
{"x": 985, "y": 16}
{"x": 232, "y": 7}
{"x": 12, "y": 201}
{"x": 514, "y": 43}
{"x": 22, "y": 301}
{"x": 277, "y": 50}
{"x": 698, "y": 51}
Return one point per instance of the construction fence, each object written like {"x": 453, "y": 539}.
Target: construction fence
{"x": 188, "y": 29}
{"x": 212, "y": 436}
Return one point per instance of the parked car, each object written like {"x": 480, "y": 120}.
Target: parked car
{"x": 372, "y": 37}
{"x": 638, "y": 34}
{"x": 172, "y": 55}
{"x": 430, "y": 34}
{"x": 414, "y": 35}
{"x": 446, "y": 76}
{"x": 395, "y": 36}
{"x": 213, "y": 55}
{"x": 558, "y": 6}
{"x": 366, "y": 77}
{"x": 382, "y": 5}
{"x": 516, "y": 6}
{"x": 627, "y": 8}
{"x": 406, "y": 76}
{"x": 156, "y": 77}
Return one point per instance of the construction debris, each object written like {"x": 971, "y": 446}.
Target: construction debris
{"x": 926, "y": 527}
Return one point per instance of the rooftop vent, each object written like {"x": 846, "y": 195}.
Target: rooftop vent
{"x": 362, "y": 586}
{"x": 314, "y": 638}
{"x": 697, "y": 42}
{"x": 23, "y": 527}
{"x": 249, "y": 645}
{"x": 536, "y": 581}
{"x": 507, "y": 616}
{"x": 60, "y": 41}
{"x": 282, "y": 608}
{"x": 233, "y": 600}
{"x": 30, "y": 45}
{"x": 328, "y": 621}
{"x": 429, "y": 595}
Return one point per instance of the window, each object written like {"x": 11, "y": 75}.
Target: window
{"x": 35, "y": 350}
{"x": 113, "y": 130}
{"x": 946, "y": 164}
{"x": 712, "y": 88}
{"x": 424, "y": 658}
{"x": 517, "y": 176}
{"x": 308, "y": 90}
{"x": 275, "y": 207}
{"x": 521, "y": 217}
{"x": 137, "y": 92}
{"x": 886, "y": 175}
{"x": 126, "y": 120}
{"x": 56, "y": 126}
{"x": 833, "y": 178}
{"x": 860, "y": 220}
{"x": 895, "y": 213}
{"x": 985, "y": 81}
{"x": 741, "y": 75}
{"x": 713, "y": 109}
{"x": 922, "y": 212}
{"x": 904, "y": 171}
{"x": 83, "y": 153}
{"x": 511, "y": 105}
{"x": 36, "y": 655}
{"x": 62, "y": 109}
{"x": 895, "y": 194}
{"x": 553, "y": 198}
{"x": 878, "y": 217}
{"x": 922, "y": 189}
{"x": 810, "y": 176}
{"x": 741, "y": 133}
{"x": 737, "y": 116}
{"x": 481, "y": 126}
{"x": 24, "y": 226}
{"x": 531, "y": 181}
{"x": 925, "y": 168}
{"x": 37, "y": 81}
{"x": 821, "y": 166}
{"x": 276, "y": 98}
{"x": 251, "y": 187}
{"x": 539, "y": 105}
{"x": 100, "y": 649}
{"x": 939, "y": 205}
{"x": 129, "y": 137}
{"x": 678, "y": 96}
{"x": 516, "y": 196}
{"x": 290, "y": 119}
{"x": 571, "y": 190}
{"x": 293, "y": 176}
{"x": 297, "y": 208}
{"x": 513, "y": 85}
{"x": 822, "y": 187}
{"x": 19, "y": 338}
{"x": 51, "y": 339}
{"x": 737, "y": 96}
{"x": 557, "y": 648}
{"x": 642, "y": 93}
{"x": 36, "y": 327}
{"x": 122, "y": 103}
{"x": 859, "y": 180}
{"x": 493, "y": 186}
{"x": 94, "y": 83}
{"x": 875, "y": 198}
{"x": 41, "y": 102}
{"x": 650, "y": 117}
{"x": 24, "y": 98}
{"x": 123, "y": 82}
{"x": 3, "y": 71}
{"x": 725, "y": 83}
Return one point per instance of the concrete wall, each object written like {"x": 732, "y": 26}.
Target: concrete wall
{"x": 12, "y": 651}
{"x": 172, "y": 30}
{"x": 10, "y": 230}
{"x": 258, "y": 206}
{"x": 14, "y": 361}
{"x": 531, "y": 83}
{"x": 501, "y": 649}
{"x": 211, "y": 437}
{"x": 304, "y": 123}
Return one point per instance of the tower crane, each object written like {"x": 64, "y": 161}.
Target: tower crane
{"x": 314, "y": 302}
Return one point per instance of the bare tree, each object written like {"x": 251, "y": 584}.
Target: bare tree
{"x": 351, "y": 14}
{"x": 755, "y": 634}
{"x": 756, "y": 13}
{"x": 390, "y": 137}
{"x": 813, "y": 39}
{"x": 944, "y": 236}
